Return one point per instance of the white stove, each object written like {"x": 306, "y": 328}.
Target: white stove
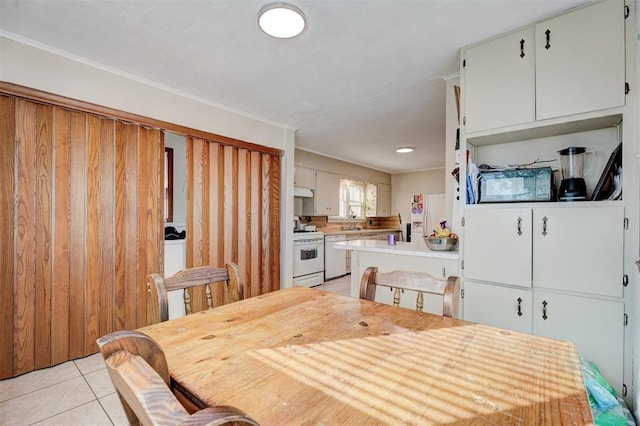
{"x": 308, "y": 258}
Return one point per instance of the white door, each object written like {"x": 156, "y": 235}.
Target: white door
{"x": 595, "y": 326}
{"x": 500, "y": 82}
{"x": 583, "y": 68}
{"x": 497, "y": 245}
{"x": 503, "y": 307}
{"x": 579, "y": 249}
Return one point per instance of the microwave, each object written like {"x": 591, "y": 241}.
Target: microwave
{"x": 516, "y": 185}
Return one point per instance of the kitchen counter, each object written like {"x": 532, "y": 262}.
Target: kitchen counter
{"x": 357, "y": 231}
{"x": 414, "y": 248}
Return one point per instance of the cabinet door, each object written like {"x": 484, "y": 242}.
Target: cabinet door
{"x": 583, "y": 68}
{"x": 500, "y": 82}
{"x": 498, "y": 306}
{"x": 595, "y": 326}
{"x": 383, "y": 200}
{"x": 304, "y": 177}
{"x": 497, "y": 245}
{"x": 327, "y": 194}
{"x": 579, "y": 249}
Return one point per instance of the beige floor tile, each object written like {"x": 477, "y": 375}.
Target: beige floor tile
{"x": 100, "y": 383}
{"x": 21, "y": 385}
{"x": 340, "y": 286}
{"x": 44, "y": 403}
{"x": 113, "y": 408}
{"x": 90, "y": 363}
{"x": 90, "y": 413}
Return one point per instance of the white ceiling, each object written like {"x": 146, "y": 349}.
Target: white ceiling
{"x": 364, "y": 78}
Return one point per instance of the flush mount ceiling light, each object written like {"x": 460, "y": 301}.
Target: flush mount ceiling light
{"x": 404, "y": 149}
{"x": 281, "y": 20}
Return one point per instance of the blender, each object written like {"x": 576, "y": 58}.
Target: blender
{"x": 573, "y": 186}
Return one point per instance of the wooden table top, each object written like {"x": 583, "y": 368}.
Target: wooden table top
{"x": 305, "y": 356}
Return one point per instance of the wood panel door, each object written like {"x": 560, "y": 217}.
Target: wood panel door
{"x": 233, "y": 214}
{"x": 80, "y": 203}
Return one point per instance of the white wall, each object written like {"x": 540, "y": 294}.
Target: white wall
{"x": 32, "y": 65}
{"x": 348, "y": 170}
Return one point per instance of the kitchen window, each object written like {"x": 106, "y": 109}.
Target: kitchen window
{"x": 356, "y": 199}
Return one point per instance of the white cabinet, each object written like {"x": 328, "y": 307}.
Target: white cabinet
{"x": 383, "y": 200}
{"x": 497, "y": 245}
{"x": 579, "y": 249}
{"x": 498, "y": 306}
{"x": 327, "y": 197}
{"x": 560, "y": 247}
{"x": 596, "y": 326}
{"x": 500, "y": 82}
{"x": 571, "y": 64}
{"x": 304, "y": 177}
{"x": 580, "y": 63}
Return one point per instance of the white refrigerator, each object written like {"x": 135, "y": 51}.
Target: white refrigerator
{"x": 426, "y": 211}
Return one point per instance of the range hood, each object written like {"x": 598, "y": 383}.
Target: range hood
{"x": 299, "y": 191}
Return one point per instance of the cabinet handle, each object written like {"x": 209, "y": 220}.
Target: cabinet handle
{"x": 522, "y": 48}
{"x": 548, "y": 34}
{"x": 444, "y": 272}
{"x": 544, "y": 310}
{"x": 519, "y": 225}
{"x": 544, "y": 226}
{"x": 519, "y": 306}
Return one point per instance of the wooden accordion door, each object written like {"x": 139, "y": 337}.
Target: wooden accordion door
{"x": 81, "y": 211}
{"x": 233, "y": 214}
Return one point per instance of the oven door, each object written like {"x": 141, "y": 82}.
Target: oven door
{"x": 308, "y": 258}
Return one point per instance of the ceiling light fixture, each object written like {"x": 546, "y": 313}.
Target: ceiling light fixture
{"x": 281, "y": 20}
{"x": 404, "y": 149}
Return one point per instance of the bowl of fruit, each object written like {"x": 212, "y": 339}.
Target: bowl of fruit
{"x": 442, "y": 239}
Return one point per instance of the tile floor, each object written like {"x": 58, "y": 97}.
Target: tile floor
{"x": 77, "y": 392}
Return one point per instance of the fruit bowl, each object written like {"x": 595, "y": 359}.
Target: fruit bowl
{"x": 441, "y": 244}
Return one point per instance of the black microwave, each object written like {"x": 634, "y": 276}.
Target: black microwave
{"x": 516, "y": 185}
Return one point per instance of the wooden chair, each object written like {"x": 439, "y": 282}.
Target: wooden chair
{"x": 420, "y": 282}
{"x": 158, "y": 287}
{"x": 138, "y": 369}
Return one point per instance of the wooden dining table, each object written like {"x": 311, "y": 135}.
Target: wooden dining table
{"x": 301, "y": 356}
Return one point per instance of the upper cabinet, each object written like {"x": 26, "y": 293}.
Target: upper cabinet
{"x": 327, "y": 197}
{"x": 500, "y": 82}
{"x": 383, "y": 200}
{"x": 580, "y": 61}
{"x": 304, "y": 177}
{"x": 571, "y": 64}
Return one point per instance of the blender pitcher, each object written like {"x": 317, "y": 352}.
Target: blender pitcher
{"x": 572, "y": 165}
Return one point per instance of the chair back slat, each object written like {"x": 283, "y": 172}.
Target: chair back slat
{"x": 420, "y": 282}
{"x": 202, "y": 276}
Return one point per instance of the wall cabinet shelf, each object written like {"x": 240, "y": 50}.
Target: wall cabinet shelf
{"x": 548, "y": 70}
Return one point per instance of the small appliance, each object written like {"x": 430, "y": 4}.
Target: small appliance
{"x": 516, "y": 185}
{"x": 572, "y": 186}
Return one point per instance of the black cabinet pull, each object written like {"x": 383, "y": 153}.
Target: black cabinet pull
{"x": 522, "y": 48}
{"x": 519, "y": 306}
{"x": 544, "y": 226}
{"x": 544, "y": 310}
{"x": 519, "y": 226}
{"x": 548, "y": 34}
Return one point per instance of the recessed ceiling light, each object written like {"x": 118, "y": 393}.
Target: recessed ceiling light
{"x": 405, "y": 149}
{"x": 281, "y": 20}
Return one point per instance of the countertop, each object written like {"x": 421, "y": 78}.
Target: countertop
{"x": 414, "y": 248}
{"x": 358, "y": 231}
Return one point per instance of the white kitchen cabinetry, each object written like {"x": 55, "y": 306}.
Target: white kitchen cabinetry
{"x": 500, "y": 82}
{"x": 596, "y": 326}
{"x": 571, "y": 77}
{"x": 498, "y": 245}
{"x": 498, "y": 306}
{"x": 304, "y": 177}
{"x": 508, "y": 81}
{"x": 383, "y": 200}
{"x": 560, "y": 247}
{"x": 327, "y": 197}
